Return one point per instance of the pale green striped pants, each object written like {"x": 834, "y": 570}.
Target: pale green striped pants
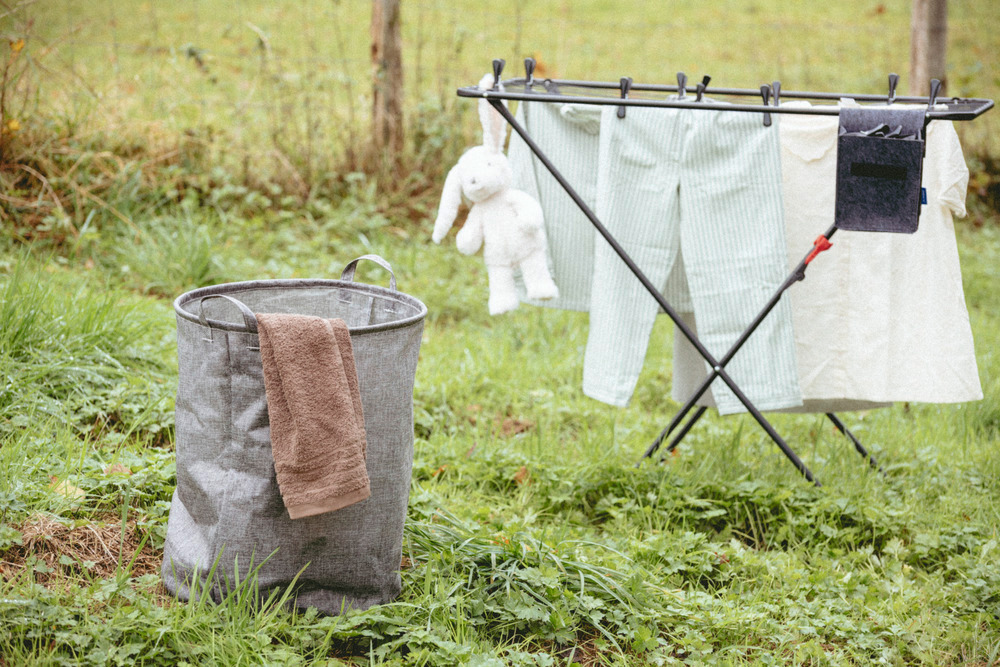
{"x": 705, "y": 185}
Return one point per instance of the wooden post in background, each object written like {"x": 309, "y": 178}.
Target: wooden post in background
{"x": 387, "y": 74}
{"x": 928, "y": 44}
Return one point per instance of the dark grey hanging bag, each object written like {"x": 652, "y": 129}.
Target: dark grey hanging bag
{"x": 880, "y": 155}
{"x": 227, "y": 513}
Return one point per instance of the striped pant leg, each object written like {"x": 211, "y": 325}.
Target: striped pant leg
{"x": 638, "y": 202}
{"x": 733, "y": 239}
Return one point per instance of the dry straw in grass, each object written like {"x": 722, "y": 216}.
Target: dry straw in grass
{"x": 97, "y": 547}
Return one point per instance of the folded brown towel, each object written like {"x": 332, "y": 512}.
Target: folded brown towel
{"x": 314, "y": 406}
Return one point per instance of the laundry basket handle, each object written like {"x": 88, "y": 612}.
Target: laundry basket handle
{"x": 248, "y": 317}
{"x": 348, "y": 273}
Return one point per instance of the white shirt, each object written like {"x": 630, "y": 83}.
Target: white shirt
{"x": 880, "y": 316}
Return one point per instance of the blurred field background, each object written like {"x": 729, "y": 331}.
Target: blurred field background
{"x": 278, "y": 94}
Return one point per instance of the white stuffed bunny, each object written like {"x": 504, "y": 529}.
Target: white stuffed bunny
{"x": 505, "y": 221}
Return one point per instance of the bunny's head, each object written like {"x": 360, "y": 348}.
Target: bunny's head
{"x": 481, "y": 172}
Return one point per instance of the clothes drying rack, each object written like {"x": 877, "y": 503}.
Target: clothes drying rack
{"x": 626, "y": 94}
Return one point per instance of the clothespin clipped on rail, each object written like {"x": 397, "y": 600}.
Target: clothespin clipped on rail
{"x": 935, "y": 89}
{"x": 931, "y": 101}
{"x": 529, "y": 74}
{"x": 682, "y": 80}
{"x": 625, "y": 85}
{"x": 497, "y": 70}
{"x": 700, "y": 88}
{"x": 893, "y": 82}
{"x": 765, "y": 92}
{"x": 776, "y": 91}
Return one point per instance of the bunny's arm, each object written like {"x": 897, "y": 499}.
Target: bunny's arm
{"x": 451, "y": 197}
{"x": 470, "y": 237}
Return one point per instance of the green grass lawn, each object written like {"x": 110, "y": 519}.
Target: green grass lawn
{"x": 531, "y": 534}
{"x": 532, "y": 537}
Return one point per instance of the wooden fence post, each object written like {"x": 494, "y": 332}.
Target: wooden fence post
{"x": 928, "y": 44}
{"x": 387, "y": 88}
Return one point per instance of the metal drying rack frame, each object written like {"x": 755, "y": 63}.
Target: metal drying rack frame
{"x": 630, "y": 94}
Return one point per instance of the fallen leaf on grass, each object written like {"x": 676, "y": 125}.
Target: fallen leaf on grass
{"x": 512, "y": 426}
{"x": 117, "y": 469}
{"x": 472, "y": 413}
{"x": 64, "y": 488}
{"x": 541, "y": 69}
{"x": 522, "y": 476}
{"x": 399, "y": 232}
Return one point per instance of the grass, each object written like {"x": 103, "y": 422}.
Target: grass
{"x": 532, "y": 537}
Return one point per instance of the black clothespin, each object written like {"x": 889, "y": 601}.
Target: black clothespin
{"x": 497, "y": 69}
{"x": 893, "y": 82}
{"x": 700, "y": 88}
{"x": 625, "y": 85}
{"x": 682, "y": 80}
{"x": 935, "y": 89}
{"x": 529, "y": 74}
{"x": 776, "y": 90}
{"x": 765, "y": 92}
{"x": 931, "y": 101}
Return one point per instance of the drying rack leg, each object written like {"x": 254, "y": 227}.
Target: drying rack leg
{"x": 684, "y": 430}
{"x": 677, "y": 420}
{"x": 718, "y": 370}
{"x": 857, "y": 443}
{"x": 799, "y": 273}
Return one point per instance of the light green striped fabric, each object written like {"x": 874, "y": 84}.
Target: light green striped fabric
{"x": 705, "y": 185}
{"x": 568, "y": 135}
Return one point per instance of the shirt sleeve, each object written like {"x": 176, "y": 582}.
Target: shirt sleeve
{"x": 952, "y": 174}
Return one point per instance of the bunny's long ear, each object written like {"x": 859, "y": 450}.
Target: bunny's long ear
{"x": 451, "y": 198}
{"x": 494, "y": 126}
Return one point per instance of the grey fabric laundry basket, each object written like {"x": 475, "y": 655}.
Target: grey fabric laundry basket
{"x": 226, "y": 512}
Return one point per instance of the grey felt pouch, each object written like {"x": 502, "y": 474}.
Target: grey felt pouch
{"x": 879, "y": 164}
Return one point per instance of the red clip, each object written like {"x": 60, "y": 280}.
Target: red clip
{"x": 819, "y": 245}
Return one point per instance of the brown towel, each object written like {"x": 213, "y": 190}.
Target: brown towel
{"x": 314, "y": 406}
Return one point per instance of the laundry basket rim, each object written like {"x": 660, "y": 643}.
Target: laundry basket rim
{"x": 231, "y": 289}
